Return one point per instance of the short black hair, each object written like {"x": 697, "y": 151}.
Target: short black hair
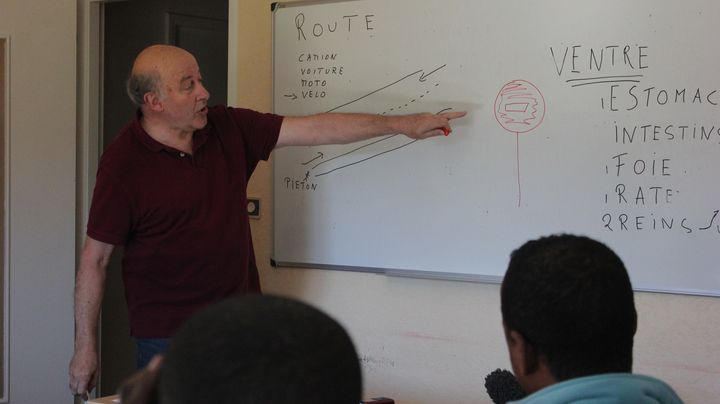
{"x": 571, "y": 299}
{"x": 261, "y": 349}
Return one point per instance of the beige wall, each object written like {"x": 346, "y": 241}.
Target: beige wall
{"x": 3, "y": 94}
{"x": 41, "y": 196}
{"x": 428, "y": 341}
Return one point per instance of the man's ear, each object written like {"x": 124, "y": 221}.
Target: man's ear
{"x": 153, "y": 102}
{"x": 523, "y": 355}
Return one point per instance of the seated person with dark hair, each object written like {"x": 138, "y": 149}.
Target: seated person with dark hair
{"x": 569, "y": 318}
{"x": 254, "y": 350}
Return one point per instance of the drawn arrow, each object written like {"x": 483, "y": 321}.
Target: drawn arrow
{"x": 711, "y": 221}
{"x": 320, "y": 155}
{"x": 293, "y": 96}
{"x": 424, "y": 76}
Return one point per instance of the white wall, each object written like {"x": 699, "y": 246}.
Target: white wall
{"x": 42, "y": 196}
{"x": 427, "y": 341}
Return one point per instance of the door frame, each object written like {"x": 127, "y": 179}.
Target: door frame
{"x": 90, "y": 54}
{"x": 5, "y": 217}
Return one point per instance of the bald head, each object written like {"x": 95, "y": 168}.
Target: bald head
{"x": 152, "y": 66}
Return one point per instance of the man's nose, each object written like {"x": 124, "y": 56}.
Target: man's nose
{"x": 203, "y": 93}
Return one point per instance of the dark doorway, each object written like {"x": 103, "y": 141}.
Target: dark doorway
{"x": 200, "y": 26}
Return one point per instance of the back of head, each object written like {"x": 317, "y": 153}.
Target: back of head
{"x": 151, "y": 66}
{"x": 571, "y": 299}
{"x": 261, "y": 349}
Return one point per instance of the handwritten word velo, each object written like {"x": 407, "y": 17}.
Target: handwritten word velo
{"x": 313, "y": 93}
{"x": 346, "y": 23}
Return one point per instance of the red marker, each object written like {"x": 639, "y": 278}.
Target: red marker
{"x": 379, "y": 400}
{"x": 446, "y": 131}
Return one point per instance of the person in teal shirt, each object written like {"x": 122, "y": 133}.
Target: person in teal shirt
{"x": 569, "y": 319}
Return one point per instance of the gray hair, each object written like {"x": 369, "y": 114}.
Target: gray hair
{"x": 138, "y": 85}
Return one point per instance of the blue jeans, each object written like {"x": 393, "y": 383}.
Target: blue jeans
{"x": 149, "y": 347}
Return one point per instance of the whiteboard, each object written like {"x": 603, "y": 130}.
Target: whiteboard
{"x": 594, "y": 118}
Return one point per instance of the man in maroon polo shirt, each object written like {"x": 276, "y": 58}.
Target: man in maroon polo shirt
{"x": 171, "y": 189}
